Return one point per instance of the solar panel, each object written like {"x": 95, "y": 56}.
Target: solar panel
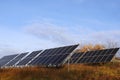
{"x": 54, "y": 56}
{"x": 16, "y": 59}
{"x": 6, "y": 59}
{"x": 75, "y": 57}
{"x": 28, "y": 58}
{"x": 98, "y": 56}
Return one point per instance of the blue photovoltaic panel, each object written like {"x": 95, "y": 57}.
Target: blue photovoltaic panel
{"x": 4, "y": 60}
{"x": 54, "y": 56}
{"x": 75, "y": 57}
{"x": 98, "y": 56}
{"x": 29, "y": 58}
{"x": 16, "y": 59}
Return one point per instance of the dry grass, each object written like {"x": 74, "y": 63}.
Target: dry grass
{"x": 90, "y": 47}
{"x": 109, "y": 71}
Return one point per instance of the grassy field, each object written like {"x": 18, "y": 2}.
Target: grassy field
{"x": 109, "y": 71}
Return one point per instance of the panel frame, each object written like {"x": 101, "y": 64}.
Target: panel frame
{"x": 55, "y": 53}
{"x": 26, "y": 53}
{"x": 3, "y": 65}
{"x": 34, "y": 58}
{"x": 86, "y": 58}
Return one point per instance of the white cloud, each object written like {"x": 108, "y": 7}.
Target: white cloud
{"x": 47, "y": 34}
{"x": 69, "y": 35}
{"x": 52, "y": 32}
{"x": 106, "y": 35}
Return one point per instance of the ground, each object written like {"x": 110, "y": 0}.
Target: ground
{"x": 109, "y": 71}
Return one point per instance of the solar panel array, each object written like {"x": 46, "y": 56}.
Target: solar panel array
{"x": 16, "y": 59}
{"x": 98, "y": 56}
{"x": 6, "y": 59}
{"x": 53, "y": 56}
{"x": 58, "y": 57}
{"x": 28, "y": 58}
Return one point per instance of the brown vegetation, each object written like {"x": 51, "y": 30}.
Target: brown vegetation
{"x": 109, "y": 71}
{"x": 90, "y": 47}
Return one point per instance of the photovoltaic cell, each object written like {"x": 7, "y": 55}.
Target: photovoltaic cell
{"x": 75, "y": 57}
{"x": 54, "y": 56}
{"x": 98, "y": 56}
{"x": 28, "y": 58}
{"x": 16, "y": 59}
{"x": 4, "y": 60}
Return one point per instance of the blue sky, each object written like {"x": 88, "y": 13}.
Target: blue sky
{"x": 27, "y": 25}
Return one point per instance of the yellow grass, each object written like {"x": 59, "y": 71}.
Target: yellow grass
{"x": 109, "y": 71}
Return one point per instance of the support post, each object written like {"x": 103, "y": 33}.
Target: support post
{"x": 68, "y": 64}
